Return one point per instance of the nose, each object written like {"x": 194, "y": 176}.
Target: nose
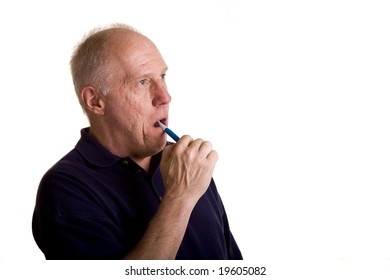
{"x": 160, "y": 93}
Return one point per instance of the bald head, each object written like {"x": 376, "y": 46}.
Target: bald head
{"x": 97, "y": 59}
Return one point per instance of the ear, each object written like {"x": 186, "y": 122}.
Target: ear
{"x": 93, "y": 101}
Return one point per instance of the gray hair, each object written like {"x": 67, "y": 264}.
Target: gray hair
{"x": 90, "y": 61}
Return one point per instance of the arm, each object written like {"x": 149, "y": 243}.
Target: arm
{"x": 186, "y": 168}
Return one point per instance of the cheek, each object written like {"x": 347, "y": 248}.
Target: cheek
{"x": 128, "y": 107}
{"x": 137, "y": 116}
{"x": 133, "y": 110}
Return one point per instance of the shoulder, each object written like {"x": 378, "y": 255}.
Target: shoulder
{"x": 66, "y": 175}
{"x": 67, "y": 166}
{"x": 69, "y": 188}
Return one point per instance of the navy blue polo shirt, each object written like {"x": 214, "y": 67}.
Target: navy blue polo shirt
{"x": 95, "y": 205}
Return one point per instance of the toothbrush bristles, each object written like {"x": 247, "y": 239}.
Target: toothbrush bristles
{"x": 163, "y": 127}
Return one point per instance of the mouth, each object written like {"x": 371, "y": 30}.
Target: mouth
{"x": 163, "y": 121}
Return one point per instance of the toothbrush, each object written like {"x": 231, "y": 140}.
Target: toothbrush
{"x": 168, "y": 131}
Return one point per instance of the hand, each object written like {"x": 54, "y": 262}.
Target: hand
{"x": 187, "y": 167}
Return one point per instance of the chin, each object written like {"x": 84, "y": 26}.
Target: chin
{"x": 158, "y": 146}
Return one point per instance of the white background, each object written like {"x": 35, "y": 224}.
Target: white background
{"x": 294, "y": 95}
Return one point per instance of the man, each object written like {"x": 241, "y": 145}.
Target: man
{"x": 122, "y": 193}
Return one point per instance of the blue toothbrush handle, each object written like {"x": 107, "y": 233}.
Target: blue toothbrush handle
{"x": 172, "y": 134}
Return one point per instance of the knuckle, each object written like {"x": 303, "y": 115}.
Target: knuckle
{"x": 187, "y": 138}
{"x": 190, "y": 154}
{"x": 208, "y": 145}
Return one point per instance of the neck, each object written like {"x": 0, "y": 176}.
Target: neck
{"x": 145, "y": 163}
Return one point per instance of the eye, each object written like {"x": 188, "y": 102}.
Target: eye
{"x": 142, "y": 82}
{"x": 163, "y": 76}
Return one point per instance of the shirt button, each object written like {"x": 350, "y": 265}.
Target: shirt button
{"x": 138, "y": 171}
{"x": 125, "y": 162}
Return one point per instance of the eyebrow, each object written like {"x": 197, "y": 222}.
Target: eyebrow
{"x": 128, "y": 77}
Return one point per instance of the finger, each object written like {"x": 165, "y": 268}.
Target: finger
{"x": 184, "y": 141}
{"x": 179, "y": 146}
{"x": 205, "y": 148}
{"x": 195, "y": 144}
{"x": 212, "y": 156}
{"x": 191, "y": 152}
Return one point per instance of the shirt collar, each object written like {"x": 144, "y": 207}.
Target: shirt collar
{"x": 94, "y": 152}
